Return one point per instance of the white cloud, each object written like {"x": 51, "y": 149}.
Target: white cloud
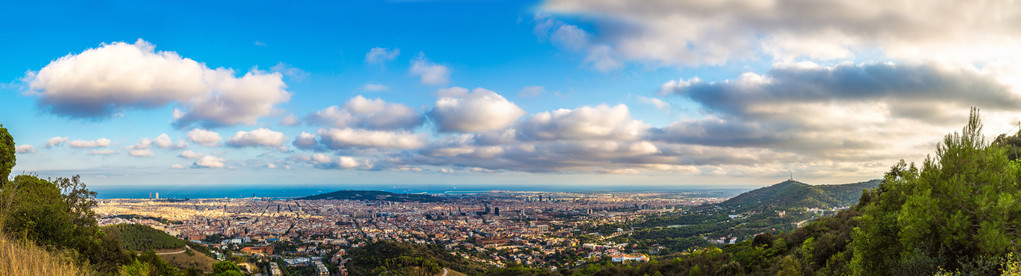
{"x": 305, "y": 140}
{"x": 98, "y": 143}
{"x": 116, "y": 77}
{"x": 176, "y": 166}
{"x": 360, "y": 138}
{"x": 429, "y": 72}
{"x": 55, "y": 141}
{"x": 361, "y": 112}
{"x": 379, "y": 55}
{"x": 480, "y": 110}
{"x": 271, "y": 166}
{"x": 164, "y": 142}
{"x": 659, "y": 104}
{"x": 102, "y": 152}
{"x": 190, "y": 155}
{"x": 202, "y": 160}
{"x": 323, "y": 161}
{"x": 373, "y": 87}
{"x": 714, "y": 32}
{"x": 208, "y": 161}
{"x": 584, "y": 123}
{"x": 24, "y": 149}
{"x": 204, "y": 137}
{"x": 257, "y": 138}
{"x": 141, "y": 153}
{"x": 290, "y": 120}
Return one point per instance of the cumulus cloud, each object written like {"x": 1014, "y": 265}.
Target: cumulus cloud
{"x": 202, "y": 160}
{"x": 55, "y": 141}
{"x": 305, "y": 140}
{"x": 570, "y": 37}
{"x": 714, "y": 32}
{"x": 208, "y": 161}
{"x": 479, "y": 110}
{"x": 584, "y": 123}
{"x": 429, "y": 72}
{"x": 751, "y": 93}
{"x": 323, "y": 161}
{"x": 190, "y": 155}
{"x": 257, "y": 138}
{"x": 379, "y": 55}
{"x": 116, "y": 77}
{"x": 176, "y": 166}
{"x": 360, "y": 138}
{"x": 24, "y": 149}
{"x": 361, "y": 112}
{"x": 98, "y": 143}
{"x": 164, "y": 142}
{"x": 204, "y": 137}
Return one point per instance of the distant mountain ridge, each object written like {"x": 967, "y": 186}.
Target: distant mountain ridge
{"x": 795, "y": 194}
{"x": 373, "y": 196}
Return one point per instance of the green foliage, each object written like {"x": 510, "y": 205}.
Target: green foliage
{"x": 793, "y": 194}
{"x": 7, "y": 155}
{"x": 961, "y": 210}
{"x": 155, "y": 265}
{"x": 226, "y": 268}
{"x": 139, "y": 237}
{"x": 393, "y": 258}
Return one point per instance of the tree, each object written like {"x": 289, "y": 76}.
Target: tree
{"x": 956, "y": 211}
{"x": 7, "y": 155}
{"x": 226, "y": 268}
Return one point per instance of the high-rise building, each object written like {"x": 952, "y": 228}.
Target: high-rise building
{"x": 496, "y": 211}
{"x": 157, "y": 195}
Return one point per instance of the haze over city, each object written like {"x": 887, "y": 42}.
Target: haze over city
{"x": 561, "y": 92}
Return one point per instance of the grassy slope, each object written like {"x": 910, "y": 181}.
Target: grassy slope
{"x": 197, "y": 261}
{"x": 23, "y": 258}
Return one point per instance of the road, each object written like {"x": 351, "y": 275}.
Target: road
{"x": 445, "y": 271}
{"x": 175, "y": 252}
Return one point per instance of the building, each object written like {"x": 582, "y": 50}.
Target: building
{"x": 321, "y": 269}
{"x": 620, "y": 258}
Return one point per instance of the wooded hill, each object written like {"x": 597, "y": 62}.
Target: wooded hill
{"x": 141, "y": 238}
{"x": 794, "y": 194}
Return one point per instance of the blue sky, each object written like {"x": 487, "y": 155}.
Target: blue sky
{"x": 494, "y": 92}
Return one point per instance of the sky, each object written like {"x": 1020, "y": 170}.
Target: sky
{"x": 567, "y": 93}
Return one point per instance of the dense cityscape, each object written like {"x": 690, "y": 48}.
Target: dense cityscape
{"x": 496, "y": 228}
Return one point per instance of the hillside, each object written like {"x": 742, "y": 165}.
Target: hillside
{"x": 374, "y": 195}
{"x": 393, "y": 258}
{"x": 140, "y": 238}
{"x": 794, "y": 194}
{"x": 25, "y": 258}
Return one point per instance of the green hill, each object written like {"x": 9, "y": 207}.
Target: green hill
{"x": 374, "y": 195}
{"x": 140, "y": 238}
{"x": 395, "y": 258}
{"x": 794, "y": 194}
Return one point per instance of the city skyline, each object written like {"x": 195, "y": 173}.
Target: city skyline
{"x": 497, "y": 92}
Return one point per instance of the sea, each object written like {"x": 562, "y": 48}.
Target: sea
{"x": 290, "y": 191}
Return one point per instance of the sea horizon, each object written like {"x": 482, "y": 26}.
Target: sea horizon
{"x": 291, "y": 191}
